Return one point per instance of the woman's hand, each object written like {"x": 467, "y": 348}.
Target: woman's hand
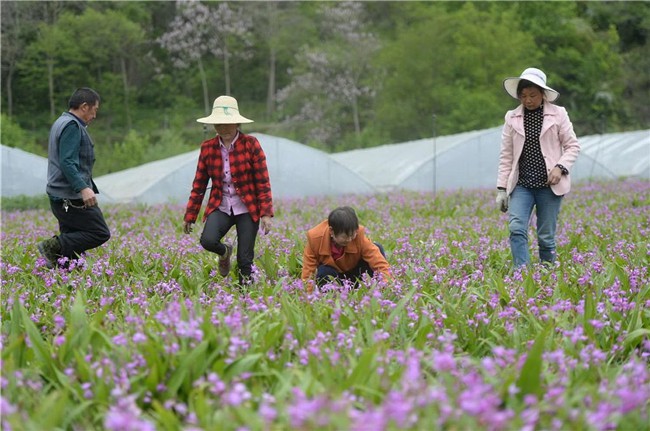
{"x": 187, "y": 227}
{"x": 502, "y": 200}
{"x": 265, "y": 223}
{"x": 554, "y": 176}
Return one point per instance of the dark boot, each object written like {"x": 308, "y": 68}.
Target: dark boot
{"x": 50, "y": 249}
{"x": 224, "y": 261}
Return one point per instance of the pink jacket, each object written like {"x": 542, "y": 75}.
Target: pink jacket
{"x": 558, "y": 142}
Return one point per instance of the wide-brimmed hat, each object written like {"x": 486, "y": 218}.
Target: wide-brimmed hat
{"x": 224, "y": 111}
{"x": 535, "y": 76}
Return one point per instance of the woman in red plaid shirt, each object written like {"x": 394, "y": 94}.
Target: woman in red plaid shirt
{"x": 241, "y": 189}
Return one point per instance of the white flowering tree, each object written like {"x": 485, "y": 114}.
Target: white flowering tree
{"x": 200, "y": 30}
{"x": 333, "y": 82}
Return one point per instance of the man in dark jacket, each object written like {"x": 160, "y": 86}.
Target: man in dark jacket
{"x": 70, "y": 185}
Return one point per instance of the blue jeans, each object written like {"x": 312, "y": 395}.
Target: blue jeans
{"x": 547, "y": 205}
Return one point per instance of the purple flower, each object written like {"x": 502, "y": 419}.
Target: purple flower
{"x": 304, "y": 409}
{"x": 237, "y": 395}
{"x": 266, "y": 409}
{"x": 443, "y": 361}
{"x": 398, "y": 408}
{"x": 6, "y": 407}
{"x": 120, "y": 420}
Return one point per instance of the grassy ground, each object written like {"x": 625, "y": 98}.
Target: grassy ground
{"x": 142, "y": 333}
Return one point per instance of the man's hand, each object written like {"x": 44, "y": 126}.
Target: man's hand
{"x": 265, "y": 223}
{"x": 502, "y": 200}
{"x": 309, "y": 285}
{"x": 88, "y": 196}
{"x": 187, "y": 227}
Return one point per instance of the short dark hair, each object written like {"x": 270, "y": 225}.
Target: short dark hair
{"x": 83, "y": 95}
{"x": 343, "y": 220}
{"x": 524, "y": 83}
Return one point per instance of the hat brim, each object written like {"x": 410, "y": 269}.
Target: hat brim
{"x": 221, "y": 119}
{"x": 510, "y": 85}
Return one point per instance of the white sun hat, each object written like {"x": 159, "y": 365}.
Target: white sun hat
{"x": 224, "y": 111}
{"x": 535, "y": 76}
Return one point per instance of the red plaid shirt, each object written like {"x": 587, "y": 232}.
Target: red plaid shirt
{"x": 249, "y": 176}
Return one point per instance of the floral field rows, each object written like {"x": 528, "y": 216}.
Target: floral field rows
{"x": 143, "y": 333}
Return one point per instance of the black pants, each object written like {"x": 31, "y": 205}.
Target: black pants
{"x": 326, "y": 273}
{"x": 80, "y": 228}
{"x": 217, "y": 226}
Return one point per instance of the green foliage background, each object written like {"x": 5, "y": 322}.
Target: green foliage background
{"x": 306, "y": 79}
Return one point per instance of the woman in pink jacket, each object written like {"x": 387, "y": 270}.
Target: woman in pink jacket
{"x": 538, "y": 150}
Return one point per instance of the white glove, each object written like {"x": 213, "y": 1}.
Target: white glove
{"x": 502, "y": 200}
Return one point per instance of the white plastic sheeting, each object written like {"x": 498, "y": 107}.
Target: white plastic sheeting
{"x": 614, "y": 155}
{"x": 23, "y": 173}
{"x": 167, "y": 180}
{"x": 470, "y": 160}
{"x": 295, "y": 170}
{"x": 465, "y": 160}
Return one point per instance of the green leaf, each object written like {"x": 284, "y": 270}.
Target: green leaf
{"x": 242, "y": 365}
{"x": 635, "y": 337}
{"x": 275, "y": 332}
{"x": 530, "y": 379}
{"x": 72, "y": 415}
{"x": 398, "y": 309}
{"x": 40, "y": 348}
{"x": 184, "y": 370}
{"x": 166, "y": 418}
{"x": 16, "y": 337}
{"x": 78, "y": 318}
{"x": 52, "y": 409}
{"x": 589, "y": 314}
{"x": 364, "y": 368}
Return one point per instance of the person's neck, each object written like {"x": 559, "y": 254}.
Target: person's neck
{"x": 77, "y": 113}
{"x": 227, "y": 143}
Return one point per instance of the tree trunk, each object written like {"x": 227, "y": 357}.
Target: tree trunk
{"x": 226, "y": 69}
{"x": 50, "y": 84}
{"x": 204, "y": 82}
{"x": 270, "y": 95}
{"x": 126, "y": 93}
{"x": 8, "y": 84}
{"x": 355, "y": 115}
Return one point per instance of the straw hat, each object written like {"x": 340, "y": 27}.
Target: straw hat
{"x": 535, "y": 76}
{"x": 224, "y": 111}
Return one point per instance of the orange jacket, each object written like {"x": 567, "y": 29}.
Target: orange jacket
{"x": 318, "y": 251}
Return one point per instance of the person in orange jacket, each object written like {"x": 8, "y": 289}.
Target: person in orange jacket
{"x": 338, "y": 249}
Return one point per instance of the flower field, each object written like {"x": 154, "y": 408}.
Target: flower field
{"x": 143, "y": 334}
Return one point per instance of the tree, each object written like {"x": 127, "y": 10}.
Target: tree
{"x": 52, "y": 56}
{"x": 449, "y": 63}
{"x": 71, "y": 61}
{"x": 277, "y": 24}
{"x": 15, "y": 17}
{"x": 332, "y": 80}
{"x": 198, "y": 30}
{"x": 113, "y": 47}
{"x": 232, "y": 29}
{"x": 19, "y": 25}
{"x": 583, "y": 65}
{"x": 631, "y": 21}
